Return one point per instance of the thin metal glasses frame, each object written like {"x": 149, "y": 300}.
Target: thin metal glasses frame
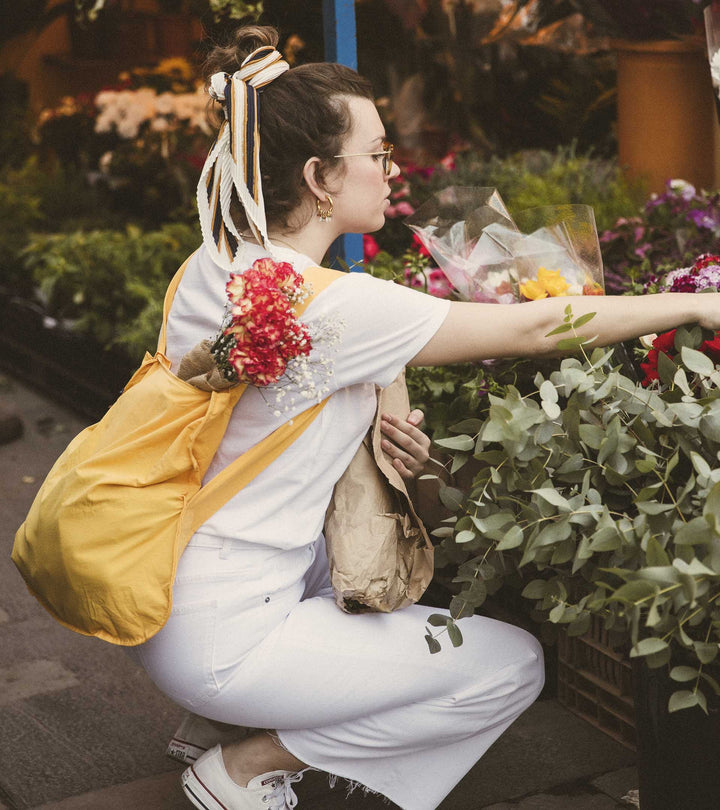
{"x": 387, "y": 154}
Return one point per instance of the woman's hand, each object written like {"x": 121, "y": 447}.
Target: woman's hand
{"x": 406, "y": 444}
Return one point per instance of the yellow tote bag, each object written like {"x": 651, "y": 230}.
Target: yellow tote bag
{"x": 100, "y": 545}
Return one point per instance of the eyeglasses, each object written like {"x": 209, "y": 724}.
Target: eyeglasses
{"x": 387, "y": 154}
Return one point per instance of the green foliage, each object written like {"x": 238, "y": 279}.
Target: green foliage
{"x": 110, "y": 284}
{"x": 526, "y": 180}
{"x": 15, "y": 142}
{"x": 603, "y": 499}
{"x": 65, "y": 201}
{"x": 19, "y": 213}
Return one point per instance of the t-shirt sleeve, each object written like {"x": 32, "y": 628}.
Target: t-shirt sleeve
{"x": 383, "y": 326}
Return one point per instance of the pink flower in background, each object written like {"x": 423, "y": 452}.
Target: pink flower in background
{"x": 438, "y": 284}
{"x": 448, "y": 162}
{"x": 704, "y": 274}
{"x": 402, "y": 209}
{"x": 432, "y": 280}
{"x": 403, "y": 191}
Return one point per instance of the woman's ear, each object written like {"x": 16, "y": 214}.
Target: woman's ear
{"x": 310, "y": 171}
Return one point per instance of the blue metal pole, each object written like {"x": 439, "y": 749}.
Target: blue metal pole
{"x": 341, "y": 47}
{"x": 340, "y": 32}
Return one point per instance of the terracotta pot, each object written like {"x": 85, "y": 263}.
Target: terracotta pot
{"x": 666, "y": 119}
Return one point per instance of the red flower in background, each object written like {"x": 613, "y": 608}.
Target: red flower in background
{"x": 370, "y": 247}
{"x": 665, "y": 343}
{"x": 421, "y": 249}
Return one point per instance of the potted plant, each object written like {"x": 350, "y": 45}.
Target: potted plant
{"x": 664, "y": 93}
{"x": 664, "y": 99}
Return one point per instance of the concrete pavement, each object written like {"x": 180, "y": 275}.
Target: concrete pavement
{"x": 82, "y": 727}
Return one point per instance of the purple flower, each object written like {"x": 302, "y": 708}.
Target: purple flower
{"x": 705, "y": 218}
{"x": 641, "y": 250}
{"x": 683, "y": 188}
{"x": 708, "y": 277}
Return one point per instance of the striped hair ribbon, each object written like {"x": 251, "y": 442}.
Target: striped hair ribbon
{"x": 233, "y": 165}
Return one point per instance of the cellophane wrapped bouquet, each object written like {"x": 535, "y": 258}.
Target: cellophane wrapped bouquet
{"x": 490, "y": 256}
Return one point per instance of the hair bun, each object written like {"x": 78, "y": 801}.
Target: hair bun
{"x": 246, "y": 39}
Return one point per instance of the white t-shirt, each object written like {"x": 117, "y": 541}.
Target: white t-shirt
{"x": 382, "y": 326}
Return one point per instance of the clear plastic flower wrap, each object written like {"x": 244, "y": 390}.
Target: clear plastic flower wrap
{"x": 490, "y": 256}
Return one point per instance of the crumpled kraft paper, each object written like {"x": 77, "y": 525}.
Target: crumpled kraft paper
{"x": 380, "y": 555}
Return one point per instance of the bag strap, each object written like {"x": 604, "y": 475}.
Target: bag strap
{"x": 228, "y": 482}
{"x": 167, "y": 303}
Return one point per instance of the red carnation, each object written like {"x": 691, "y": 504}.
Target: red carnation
{"x": 262, "y": 333}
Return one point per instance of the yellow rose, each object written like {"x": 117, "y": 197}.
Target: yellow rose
{"x": 553, "y": 282}
{"x": 548, "y": 283}
{"x": 532, "y": 290}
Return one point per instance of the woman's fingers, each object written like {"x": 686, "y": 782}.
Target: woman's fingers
{"x": 405, "y": 443}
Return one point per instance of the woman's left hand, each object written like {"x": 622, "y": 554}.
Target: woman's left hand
{"x": 405, "y": 443}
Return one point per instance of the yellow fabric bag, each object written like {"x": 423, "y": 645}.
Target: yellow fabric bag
{"x": 100, "y": 545}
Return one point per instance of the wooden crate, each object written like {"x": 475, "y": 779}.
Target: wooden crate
{"x": 595, "y": 682}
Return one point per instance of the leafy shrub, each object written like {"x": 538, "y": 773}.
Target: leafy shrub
{"x": 19, "y": 213}
{"x": 15, "y": 142}
{"x": 602, "y": 498}
{"x": 110, "y": 284}
{"x": 66, "y": 201}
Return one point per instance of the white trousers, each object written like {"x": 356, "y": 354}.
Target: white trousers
{"x": 255, "y": 639}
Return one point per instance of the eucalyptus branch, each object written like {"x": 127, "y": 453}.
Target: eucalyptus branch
{"x": 670, "y": 495}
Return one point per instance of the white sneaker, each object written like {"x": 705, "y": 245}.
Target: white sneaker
{"x": 196, "y": 735}
{"x": 209, "y": 787}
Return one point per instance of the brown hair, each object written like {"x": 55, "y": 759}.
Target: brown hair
{"x": 302, "y": 114}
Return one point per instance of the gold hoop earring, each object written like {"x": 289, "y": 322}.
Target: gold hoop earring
{"x": 325, "y": 214}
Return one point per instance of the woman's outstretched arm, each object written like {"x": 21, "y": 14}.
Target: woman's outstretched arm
{"x": 482, "y": 331}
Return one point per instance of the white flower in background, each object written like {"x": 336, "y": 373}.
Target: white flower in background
{"x": 165, "y": 104}
{"x": 715, "y": 70}
{"x": 105, "y": 162}
{"x": 686, "y": 190}
{"x": 126, "y": 111}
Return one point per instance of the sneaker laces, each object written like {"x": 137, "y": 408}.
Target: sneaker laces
{"x": 282, "y": 796}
